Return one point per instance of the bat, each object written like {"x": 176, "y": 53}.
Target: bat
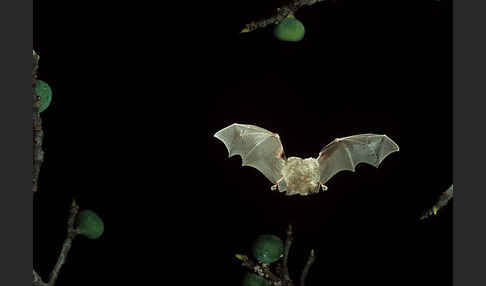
{"x": 263, "y": 150}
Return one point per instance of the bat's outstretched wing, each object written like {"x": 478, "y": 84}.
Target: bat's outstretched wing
{"x": 258, "y": 148}
{"x": 345, "y": 153}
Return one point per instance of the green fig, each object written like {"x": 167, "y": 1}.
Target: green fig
{"x": 44, "y": 92}
{"x": 252, "y": 279}
{"x": 268, "y": 248}
{"x": 289, "y": 29}
{"x": 90, "y": 224}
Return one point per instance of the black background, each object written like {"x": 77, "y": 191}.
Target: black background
{"x": 119, "y": 108}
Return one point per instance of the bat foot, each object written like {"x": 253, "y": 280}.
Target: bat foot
{"x": 324, "y": 187}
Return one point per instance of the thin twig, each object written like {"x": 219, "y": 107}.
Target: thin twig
{"x": 288, "y": 244}
{"x": 71, "y": 234}
{"x": 263, "y": 271}
{"x": 38, "y": 154}
{"x": 305, "y": 272}
{"x": 37, "y": 280}
{"x": 282, "y": 12}
{"x": 444, "y": 198}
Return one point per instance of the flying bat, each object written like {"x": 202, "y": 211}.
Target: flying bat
{"x": 263, "y": 150}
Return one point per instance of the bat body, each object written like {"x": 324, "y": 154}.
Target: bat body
{"x": 263, "y": 150}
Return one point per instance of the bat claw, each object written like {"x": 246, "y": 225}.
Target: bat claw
{"x": 323, "y": 187}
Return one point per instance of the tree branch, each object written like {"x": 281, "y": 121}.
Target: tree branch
{"x": 37, "y": 146}
{"x": 282, "y": 278}
{"x": 444, "y": 198}
{"x": 263, "y": 271}
{"x": 305, "y": 272}
{"x": 282, "y": 12}
{"x": 288, "y": 244}
{"x": 38, "y": 154}
{"x": 71, "y": 234}
{"x": 38, "y": 158}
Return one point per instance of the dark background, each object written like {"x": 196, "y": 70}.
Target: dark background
{"x": 364, "y": 66}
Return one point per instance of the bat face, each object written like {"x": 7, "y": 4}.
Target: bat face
{"x": 301, "y": 176}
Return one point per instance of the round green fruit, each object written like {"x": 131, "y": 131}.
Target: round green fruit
{"x": 90, "y": 224}
{"x": 267, "y": 248}
{"x": 252, "y": 279}
{"x": 44, "y": 92}
{"x": 290, "y": 30}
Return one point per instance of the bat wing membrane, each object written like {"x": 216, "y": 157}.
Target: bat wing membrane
{"x": 345, "y": 153}
{"x": 258, "y": 148}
